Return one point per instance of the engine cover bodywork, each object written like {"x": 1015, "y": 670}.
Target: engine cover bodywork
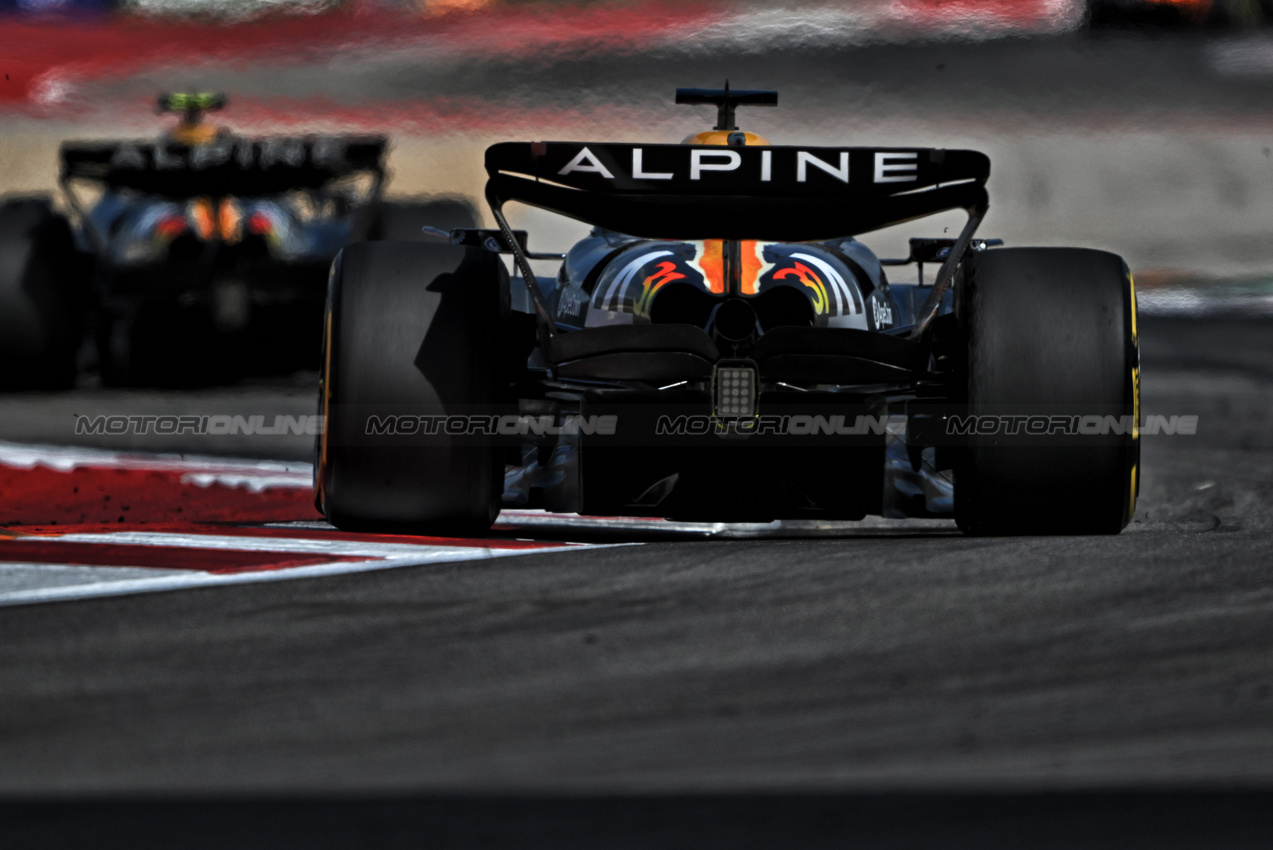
{"x": 609, "y": 280}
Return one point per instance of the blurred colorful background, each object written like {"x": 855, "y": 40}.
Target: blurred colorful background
{"x": 1142, "y": 127}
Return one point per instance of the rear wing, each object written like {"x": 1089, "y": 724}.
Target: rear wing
{"x": 230, "y": 165}
{"x": 780, "y": 194}
{"x": 785, "y": 194}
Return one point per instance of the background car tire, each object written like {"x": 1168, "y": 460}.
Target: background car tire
{"x": 1048, "y": 332}
{"x": 410, "y": 328}
{"x": 43, "y": 297}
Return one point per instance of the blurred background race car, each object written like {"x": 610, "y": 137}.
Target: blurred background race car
{"x": 194, "y": 257}
{"x": 1178, "y": 13}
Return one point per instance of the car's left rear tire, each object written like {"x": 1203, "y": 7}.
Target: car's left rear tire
{"x": 412, "y": 329}
{"x": 43, "y": 297}
{"x": 401, "y": 219}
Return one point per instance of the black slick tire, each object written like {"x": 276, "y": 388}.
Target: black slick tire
{"x": 411, "y": 329}
{"x": 401, "y": 220}
{"x": 43, "y": 297}
{"x": 1049, "y": 342}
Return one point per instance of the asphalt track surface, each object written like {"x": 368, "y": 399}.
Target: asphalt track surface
{"x": 918, "y": 663}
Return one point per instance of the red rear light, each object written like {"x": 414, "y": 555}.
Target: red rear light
{"x": 171, "y": 226}
{"x": 259, "y": 223}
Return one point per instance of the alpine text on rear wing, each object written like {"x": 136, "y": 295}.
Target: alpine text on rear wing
{"x": 769, "y": 192}
{"x": 232, "y": 165}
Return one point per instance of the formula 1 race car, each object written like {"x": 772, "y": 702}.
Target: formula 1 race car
{"x": 722, "y": 348}
{"x": 1142, "y": 14}
{"x": 202, "y": 255}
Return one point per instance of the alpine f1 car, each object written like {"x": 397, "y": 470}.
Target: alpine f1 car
{"x": 191, "y": 257}
{"x": 722, "y": 347}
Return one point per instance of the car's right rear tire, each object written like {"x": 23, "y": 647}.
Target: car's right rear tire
{"x": 412, "y": 329}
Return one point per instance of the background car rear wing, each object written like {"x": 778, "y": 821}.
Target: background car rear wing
{"x": 230, "y": 165}
{"x": 782, "y": 194}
